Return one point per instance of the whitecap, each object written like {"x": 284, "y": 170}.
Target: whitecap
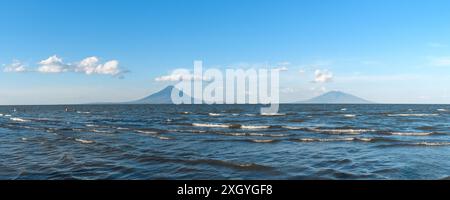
{"x": 18, "y": 119}
{"x": 100, "y": 131}
{"x": 211, "y": 125}
{"x": 81, "y": 112}
{"x": 294, "y": 127}
{"x": 349, "y": 116}
{"x": 254, "y": 127}
{"x": 433, "y": 143}
{"x": 442, "y": 110}
{"x": 344, "y": 109}
{"x": 7, "y": 115}
{"x": 147, "y": 132}
{"x": 412, "y": 133}
{"x": 164, "y": 138}
{"x": 214, "y": 114}
{"x": 84, "y": 141}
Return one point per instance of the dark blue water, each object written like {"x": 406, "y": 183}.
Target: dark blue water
{"x": 225, "y": 142}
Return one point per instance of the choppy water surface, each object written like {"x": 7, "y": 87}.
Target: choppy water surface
{"x": 225, "y": 142}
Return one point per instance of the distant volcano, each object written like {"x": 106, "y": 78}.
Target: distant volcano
{"x": 161, "y": 97}
{"x": 336, "y": 97}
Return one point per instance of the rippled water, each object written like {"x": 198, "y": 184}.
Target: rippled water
{"x": 225, "y": 142}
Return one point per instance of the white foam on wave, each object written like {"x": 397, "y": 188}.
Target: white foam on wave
{"x": 82, "y": 112}
{"x": 147, "y": 132}
{"x": 349, "y": 116}
{"x": 442, "y": 110}
{"x": 121, "y": 128}
{"x": 250, "y": 115}
{"x": 84, "y": 141}
{"x": 214, "y": 114}
{"x": 412, "y": 133}
{"x": 412, "y": 115}
{"x": 91, "y": 125}
{"x": 16, "y": 119}
{"x": 293, "y": 127}
{"x": 211, "y": 125}
{"x": 433, "y": 143}
{"x": 254, "y": 127}
{"x": 164, "y": 138}
{"x": 1, "y": 115}
{"x": 100, "y": 131}
{"x": 344, "y": 109}
{"x": 7, "y": 115}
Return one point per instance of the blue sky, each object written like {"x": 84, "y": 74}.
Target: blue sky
{"x": 382, "y": 50}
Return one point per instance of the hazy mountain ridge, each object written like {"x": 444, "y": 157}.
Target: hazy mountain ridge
{"x": 336, "y": 97}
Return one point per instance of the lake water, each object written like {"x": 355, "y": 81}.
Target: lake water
{"x": 225, "y": 142}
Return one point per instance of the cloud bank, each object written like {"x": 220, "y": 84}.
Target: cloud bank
{"x": 55, "y": 64}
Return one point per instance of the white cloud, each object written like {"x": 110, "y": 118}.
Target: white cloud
{"x": 15, "y": 66}
{"x": 54, "y": 64}
{"x": 322, "y": 76}
{"x": 440, "y": 61}
{"x": 180, "y": 75}
{"x": 91, "y": 65}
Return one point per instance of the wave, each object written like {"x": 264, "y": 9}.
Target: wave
{"x": 264, "y": 141}
{"x": 349, "y": 116}
{"x": 185, "y": 113}
{"x": 412, "y": 133}
{"x": 211, "y": 125}
{"x": 84, "y": 141}
{"x": 346, "y": 139}
{"x": 16, "y": 119}
{"x": 147, "y": 132}
{"x": 250, "y": 115}
{"x": 100, "y": 131}
{"x": 324, "y": 139}
{"x": 412, "y": 115}
{"x": 214, "y": 114}
{"x": 254, "y": 127}
{"x": 233, "y": 126}
{"x": 342, "y": 131}
{"x": 442, "y": 110}
{"x": 273, "y": 114}
{"x": 81, "y": 112}
{"x": 432, "y": 143}
{"x": 164, "y": 138}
